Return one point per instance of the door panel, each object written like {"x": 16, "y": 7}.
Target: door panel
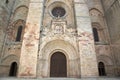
{"x": 58, "y": 67}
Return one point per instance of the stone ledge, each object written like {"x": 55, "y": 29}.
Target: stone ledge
{"x": 100, "y": 78}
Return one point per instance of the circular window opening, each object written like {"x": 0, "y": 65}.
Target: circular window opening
{"x": 58, "y": 12}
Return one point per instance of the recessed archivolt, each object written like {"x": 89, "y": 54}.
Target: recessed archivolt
{"x": 10, "y": 59}
{"x": 64, "y": 47}
{"x": 19, "y": 22}
{"x": 97, "y": 25}
{"x": 61, "y": 46}
{"x": 105, "y": 59}
{"x": 95, "y": 12}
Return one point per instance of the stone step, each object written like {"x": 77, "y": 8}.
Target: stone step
{"x": 100, "y": 78}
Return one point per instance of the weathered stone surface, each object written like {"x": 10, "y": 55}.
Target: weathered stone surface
{"x": 105, "y": 78}
{"x": 43, "y": 35}
{"x": 30, "y": 43}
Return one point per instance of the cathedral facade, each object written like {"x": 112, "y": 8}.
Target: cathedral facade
{"x": 59, "y": 38}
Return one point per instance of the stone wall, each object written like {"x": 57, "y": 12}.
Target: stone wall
{"x": 102, "y": 47}
{"x": 76, "y": 33}
{"x": 85, "y": 40}
{"x": 13, "y": 15}
{"x": 112, "y": 10}
{"x": 5, "y": 12}
{"x": 30, "y": 44}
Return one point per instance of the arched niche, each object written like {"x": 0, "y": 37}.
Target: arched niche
{"x": 108, "y": 64}
{"x": 100, "y": 31}
{"x": 20, "y": 13}
{"x": 16, "y": 30}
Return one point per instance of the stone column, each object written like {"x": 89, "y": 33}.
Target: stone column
{"x": 29, "y": 51}
{"x": 86, "y": 42}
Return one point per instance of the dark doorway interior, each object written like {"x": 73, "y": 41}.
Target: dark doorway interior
{"x": 58, "y": 65}
{"x": 13, "y": 69}
{"x": 101, "y": 69}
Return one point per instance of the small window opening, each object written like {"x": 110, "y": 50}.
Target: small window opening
{"x": 95, "y": 33}
{"x": 19, "y": 32}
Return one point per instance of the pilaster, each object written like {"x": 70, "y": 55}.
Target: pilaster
{"x": 29, "y": 51}
{"x": 86, "y": 42}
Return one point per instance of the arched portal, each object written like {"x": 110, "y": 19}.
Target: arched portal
{"x": 58, "y": 65}
{"x": 101, "y": 68}
{"x": 53, "y": 47}
{"x": 13, "y": 69}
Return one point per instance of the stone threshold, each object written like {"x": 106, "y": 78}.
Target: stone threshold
{"x": 99, "y": 78}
